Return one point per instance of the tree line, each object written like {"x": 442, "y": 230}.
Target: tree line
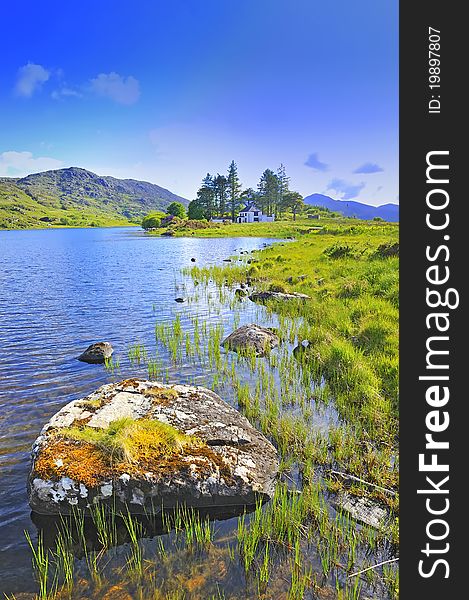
{"x": 222, "y": 196}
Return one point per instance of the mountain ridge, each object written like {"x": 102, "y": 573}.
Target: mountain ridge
{"x": 78, "y": 197}
{"x": 351, "y": 208}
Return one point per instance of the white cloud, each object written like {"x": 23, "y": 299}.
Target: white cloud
{"x": 30, "y": 78}
{"x": 124, "y": 90}
{"x": 20, "y": 164}
{"x": 65, "y": 92}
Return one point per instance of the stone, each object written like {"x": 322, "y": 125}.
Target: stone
{"x": 180, "y": 300}
{"x": 97, "y": 353}
{"x": 192, "y": 259}
{"x": 240, "y": 292}
{"x": 262, "y": 297}
{"x": 363, "y": 509}
{"x": 300, "y": 350}
{"x": 252, "y": 337}
{"x": 229, "y": 463}
{"x": 296, "y": 279}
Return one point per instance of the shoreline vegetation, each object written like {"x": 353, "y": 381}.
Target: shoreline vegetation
{"x": 338, "y": 356}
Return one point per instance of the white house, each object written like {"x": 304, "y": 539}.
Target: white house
{"x": 251, "y": 214}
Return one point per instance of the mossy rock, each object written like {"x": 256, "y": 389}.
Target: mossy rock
{"x": 139, "y": 445}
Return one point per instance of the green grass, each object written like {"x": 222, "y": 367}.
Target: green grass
{"x": 351, "y": 325}
{"x": 278, "y": 229}
{"x": 128, "y": 439}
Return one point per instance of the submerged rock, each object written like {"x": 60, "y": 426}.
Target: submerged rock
{"x": 105, "y": 449}
{"x": 252, "y": 337}
{"x": 264, "y": 296}
{"x": 362, "y": 509}
{"x": 300, "y": 350}
{"x": 180, "y": 300}
{"x": 240, "y": 292}
{"x": 97, "y": 353}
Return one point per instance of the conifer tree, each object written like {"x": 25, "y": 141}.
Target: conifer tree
{"x": 234, "y": 190}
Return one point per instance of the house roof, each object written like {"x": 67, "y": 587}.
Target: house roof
{"x": 250, "y": 208}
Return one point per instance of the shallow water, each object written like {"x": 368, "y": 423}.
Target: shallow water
{"x": 61, "y": 290}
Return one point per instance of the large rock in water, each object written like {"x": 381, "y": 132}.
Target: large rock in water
{"x": 219, "y": 459}
{"x": 252, "y": 337}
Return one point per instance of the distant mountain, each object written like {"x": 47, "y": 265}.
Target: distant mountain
{"x": 388, "y": 212}
{"x": 76, "y": 196}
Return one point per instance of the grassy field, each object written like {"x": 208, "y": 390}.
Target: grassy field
{"x": 278, "y": 229}
{"x": 285, "y": 228}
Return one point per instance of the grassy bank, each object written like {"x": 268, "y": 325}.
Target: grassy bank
{"x": 277, "y": 229}
{"x": 346, "y": 333}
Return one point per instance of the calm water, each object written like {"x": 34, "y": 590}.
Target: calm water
{"x": 61, "y": 290}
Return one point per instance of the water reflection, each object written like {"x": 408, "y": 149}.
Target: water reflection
{"x": 61, "y": 290}
{"x": 84, "y": 530}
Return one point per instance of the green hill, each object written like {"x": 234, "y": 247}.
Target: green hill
{"x": 79, "y": 198}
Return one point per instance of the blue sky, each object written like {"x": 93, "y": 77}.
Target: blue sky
{"x": 166, "y": 92}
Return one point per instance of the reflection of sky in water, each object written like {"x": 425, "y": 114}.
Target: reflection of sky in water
{"x": 61, "y": 290}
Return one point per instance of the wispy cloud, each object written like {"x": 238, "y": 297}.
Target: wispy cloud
{"x": 65, "y": 92}
{"x": 19, "y": 164}
{"x": 368, "y": 168}
{"x": 123, "y": 90}
{"x": 344, "y": 189}
{"x": 30, "y": 79}
{"x": 314, "y": 163}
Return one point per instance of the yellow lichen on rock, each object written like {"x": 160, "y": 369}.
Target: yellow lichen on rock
{"x": 161, "y": 395}
{"x": 132, "y": 440}
{"x": 80, "y": 461}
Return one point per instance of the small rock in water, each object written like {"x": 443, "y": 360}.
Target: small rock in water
{"x": 252, "y": 337}
{"x": 362, "y": 509}
{"x": 263, "y": 296}
{"x": 179, "y": 299}
{"x": 227, "y": 260}
{"x": 97, "y": 353}
{"x": 192, "y": 259}
{"x": 300, "y": 349}
{"x": 240, "y": 293}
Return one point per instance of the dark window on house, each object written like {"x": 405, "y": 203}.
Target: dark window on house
{"x": 256, "y": 218}
{"x": 256, "y": 213}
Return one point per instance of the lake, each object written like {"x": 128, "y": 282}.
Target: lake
{"x": 61, "y": 290}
